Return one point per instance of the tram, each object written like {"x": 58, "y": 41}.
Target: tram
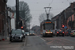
{"x": 46, "y": 28}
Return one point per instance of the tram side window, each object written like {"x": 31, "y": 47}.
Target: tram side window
{"x": 44, "y": 26}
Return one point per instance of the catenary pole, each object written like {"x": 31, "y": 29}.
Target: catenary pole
{"x": 17, "y": 13}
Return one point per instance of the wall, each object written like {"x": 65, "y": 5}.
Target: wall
{"x": 2, "y": 17}
{"x": 69, "y": 19}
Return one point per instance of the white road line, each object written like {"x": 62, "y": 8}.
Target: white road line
{"x": 41, "y": 38}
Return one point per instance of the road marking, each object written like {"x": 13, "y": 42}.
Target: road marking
{"x": 49, "y": 42}
{"x": 57, "y": 47}
{"x": 43, "y": 39}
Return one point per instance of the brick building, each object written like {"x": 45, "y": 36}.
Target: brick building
{"x": 64, "y": 17}
{"x": 2, "y": 17}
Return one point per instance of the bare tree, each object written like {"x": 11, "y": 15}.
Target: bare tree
{"x": 24, "y": 11}
{"x": 43, "y": 17}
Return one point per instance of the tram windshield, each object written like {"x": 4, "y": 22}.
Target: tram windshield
{"x": 48, "y": 26}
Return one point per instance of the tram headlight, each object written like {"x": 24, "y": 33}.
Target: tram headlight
{"x": 51, "y": 32}
{"x": 47, "y": 32}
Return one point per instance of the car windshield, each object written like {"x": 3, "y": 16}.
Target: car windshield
{"x": 31, "y": 31}
{"x": 16, "y": 32}
{"x": 26, "y": 32}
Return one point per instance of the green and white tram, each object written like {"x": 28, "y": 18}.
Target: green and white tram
{"x": 47, "y": 27}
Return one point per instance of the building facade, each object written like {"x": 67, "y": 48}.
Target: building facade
{"x": 2, "y": 18}
{"x": 66, "y": 18}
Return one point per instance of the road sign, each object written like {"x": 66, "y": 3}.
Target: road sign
{"x": 65, "y": 27}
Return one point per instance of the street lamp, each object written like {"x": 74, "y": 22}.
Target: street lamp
{"x": 47, "y": 10}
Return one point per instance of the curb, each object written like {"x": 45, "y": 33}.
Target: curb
{"x": 4, "y": 39}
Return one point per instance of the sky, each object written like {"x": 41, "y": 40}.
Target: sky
{"x": 37, "y": 7}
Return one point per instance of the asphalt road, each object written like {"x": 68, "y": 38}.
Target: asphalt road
{"x": 37, "y": 43}
{"x": 65, "y": 43}
{"x": 40, "y": 43}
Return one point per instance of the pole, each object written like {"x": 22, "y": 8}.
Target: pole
{"x": 47, "y": 16}
{"x": 17, "y": 13}
{"x": 29, "y": 27}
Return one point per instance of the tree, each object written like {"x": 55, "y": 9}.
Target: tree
{"x": 24, "y": 11}
{"x": 43, "y": 17}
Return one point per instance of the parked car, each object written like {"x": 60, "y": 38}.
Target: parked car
{"x": 27, "y": 33}
{"x": 16, "y": 35}
{"x": 60, "y": 32}
{"x": 72, "y": 33}
{"x": 32, "y": 33}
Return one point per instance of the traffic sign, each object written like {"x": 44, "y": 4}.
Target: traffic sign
{"x": 65, "y": 27}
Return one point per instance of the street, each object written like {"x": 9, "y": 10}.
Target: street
{"x": 20, "y": 19}
{"x": 65, "y": 43}
{"x": 40, "y": 43}
{"x": 50, "y": 43}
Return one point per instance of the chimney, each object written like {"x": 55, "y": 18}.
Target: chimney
{"x": 72, "y": 5}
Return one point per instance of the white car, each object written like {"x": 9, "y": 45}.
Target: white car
{"x": 27, "y": 33}
{"x": 72, "y": 33}
{"x": 32, "y": 32}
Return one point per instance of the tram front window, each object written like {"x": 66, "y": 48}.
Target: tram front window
{"x": 49, "y": 26}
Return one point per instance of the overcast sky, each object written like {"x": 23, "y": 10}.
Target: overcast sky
{"x": 37, "y": 7}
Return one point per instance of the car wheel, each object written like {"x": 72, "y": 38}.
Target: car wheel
{"x": 21, "y": 40}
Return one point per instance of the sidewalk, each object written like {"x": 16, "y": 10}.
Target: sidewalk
{"x": 7, "y": 45}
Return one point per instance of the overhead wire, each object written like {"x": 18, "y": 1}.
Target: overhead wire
{"x": 50, "y": 3}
